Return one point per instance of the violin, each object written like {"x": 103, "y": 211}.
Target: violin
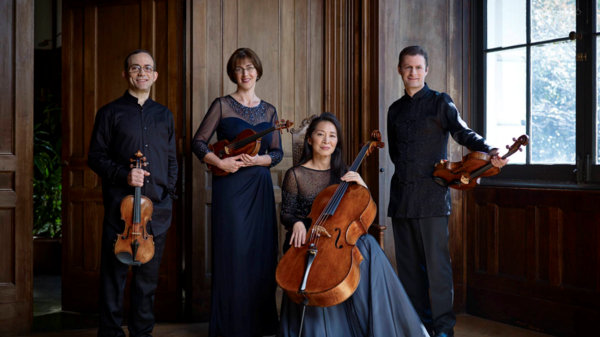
{"x": 248, "y": 142}
{"x": 465, "y": 174}
{"x": 135, "y": 246}
{"x": 325, "y": 271}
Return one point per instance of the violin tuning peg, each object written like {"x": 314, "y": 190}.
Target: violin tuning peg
{"x": 520, "y": 150}
{"x": 514, "y": 139}
{"x": 507, "y": 147}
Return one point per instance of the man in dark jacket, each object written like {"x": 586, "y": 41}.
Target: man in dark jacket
{"x": 419, "y": 124}
{"x": 133, "y": 122}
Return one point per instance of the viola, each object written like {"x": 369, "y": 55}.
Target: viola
{"x": 465, "y": 174}
{"x": 135, "y": 246}
{"x": 325, "y": 271}
{"x": 248, "y": 142}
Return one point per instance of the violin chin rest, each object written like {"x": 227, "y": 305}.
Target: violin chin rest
{"x": 440, "y": 181}
{"x": 126, "y": 258}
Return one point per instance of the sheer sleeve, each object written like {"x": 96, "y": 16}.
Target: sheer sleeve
{"x": 289, "y": 201}
{"x": 275, "y": 151}
{"x": 207, "y": 129}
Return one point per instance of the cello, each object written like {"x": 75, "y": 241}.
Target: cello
{"x": 325, "y": 271}
{"x": 465, "y": 174}
{"x": 135, "y": 246}
{"x": 248, "y": 142}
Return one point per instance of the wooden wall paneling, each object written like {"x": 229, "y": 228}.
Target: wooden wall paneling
{"x": 197, "y": 259}
{"x": 543, "y": 260}
{"x": 287, "y": 35}
{"x": 96, "y": 41}
{"x": 388, "y": 49}
{"x": 16, "y": 163}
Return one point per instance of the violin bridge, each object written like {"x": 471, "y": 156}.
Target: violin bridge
{"x": 464, "y": 180}
{"x": 321, "y": 229}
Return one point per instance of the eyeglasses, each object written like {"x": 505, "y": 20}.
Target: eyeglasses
{"x": 136, "y": 69}
{"x": 240, "y": 70}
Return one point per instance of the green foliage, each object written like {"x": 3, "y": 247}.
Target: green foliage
{"x": 47, "y": 189}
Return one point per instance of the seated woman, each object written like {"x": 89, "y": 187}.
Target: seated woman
{"x": 379, "y": 306}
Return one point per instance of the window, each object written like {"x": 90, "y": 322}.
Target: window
{"x": 533, "y": 74}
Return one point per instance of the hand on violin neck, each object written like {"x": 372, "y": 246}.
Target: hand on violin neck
{"x": 231, "y": 164}
{"x": 496, "y": 160}
{"x": 136, "y": 177}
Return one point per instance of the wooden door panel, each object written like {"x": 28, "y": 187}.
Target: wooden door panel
{"x": 97, "y": 37}
{"x": 16, "y": 166}
{"x": 533, "y": 258}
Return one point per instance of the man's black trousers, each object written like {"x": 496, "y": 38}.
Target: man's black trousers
{"x": 424, "y": 267}
{"x": 113, "y": 275}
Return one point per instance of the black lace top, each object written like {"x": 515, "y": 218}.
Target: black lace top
{"x": 228, "y": 107}
{"x": 301, "y": 186}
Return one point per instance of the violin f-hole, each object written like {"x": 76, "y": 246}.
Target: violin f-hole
{"x": 337, "y": 239}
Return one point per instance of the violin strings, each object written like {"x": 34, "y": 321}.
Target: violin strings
{"x": 244, "y": 142}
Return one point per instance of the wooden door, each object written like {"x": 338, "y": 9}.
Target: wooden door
{"x": 97, "y": 36}
{"x": 16, "y": 166}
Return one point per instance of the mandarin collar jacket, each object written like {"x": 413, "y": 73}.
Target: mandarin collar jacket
{"x": 123, "y": 127}
{"x": 418, "y": 128}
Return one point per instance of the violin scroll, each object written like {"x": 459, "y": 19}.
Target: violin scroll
{"x": 375, "y": 142}
{"x": 522, "y": 141}
{"x": 283, "y": 124}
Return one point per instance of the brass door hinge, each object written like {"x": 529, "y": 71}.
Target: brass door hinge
{"x": 581, "y": 57}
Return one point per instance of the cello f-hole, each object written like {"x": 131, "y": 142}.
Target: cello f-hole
{"x": 338, "y": 238}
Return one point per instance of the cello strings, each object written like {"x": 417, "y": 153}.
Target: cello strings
{"x": 336, "y": 197}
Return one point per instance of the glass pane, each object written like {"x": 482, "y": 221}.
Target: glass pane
{"x": 552, "y": 19}
{"x": 506, "y": 99}
{"x": 506, "y": 23}
{"x": 598, "y": 15}
{"x": 553, "y": 103}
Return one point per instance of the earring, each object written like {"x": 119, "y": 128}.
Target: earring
{"x": 257, "y": 78}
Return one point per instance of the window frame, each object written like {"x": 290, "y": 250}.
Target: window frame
{"x": 580, "y": 175}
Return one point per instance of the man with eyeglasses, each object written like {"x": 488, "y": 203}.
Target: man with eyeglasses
{"x": 133, "y": 122}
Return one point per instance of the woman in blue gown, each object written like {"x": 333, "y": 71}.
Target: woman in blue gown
{"x": 244, "y": 223}
{"x": 379, "y": 306}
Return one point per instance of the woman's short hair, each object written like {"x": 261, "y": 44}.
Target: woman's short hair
{"x": 240, "y": 54}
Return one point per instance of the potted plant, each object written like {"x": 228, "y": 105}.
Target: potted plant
{"x": 47, "y": 190}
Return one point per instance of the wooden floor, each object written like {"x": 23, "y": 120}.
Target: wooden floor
{"x": 467, "y": 326}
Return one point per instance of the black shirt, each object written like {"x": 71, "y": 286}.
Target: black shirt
{"x": 418, "y": 129}
{"x": 122, "y": 128}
